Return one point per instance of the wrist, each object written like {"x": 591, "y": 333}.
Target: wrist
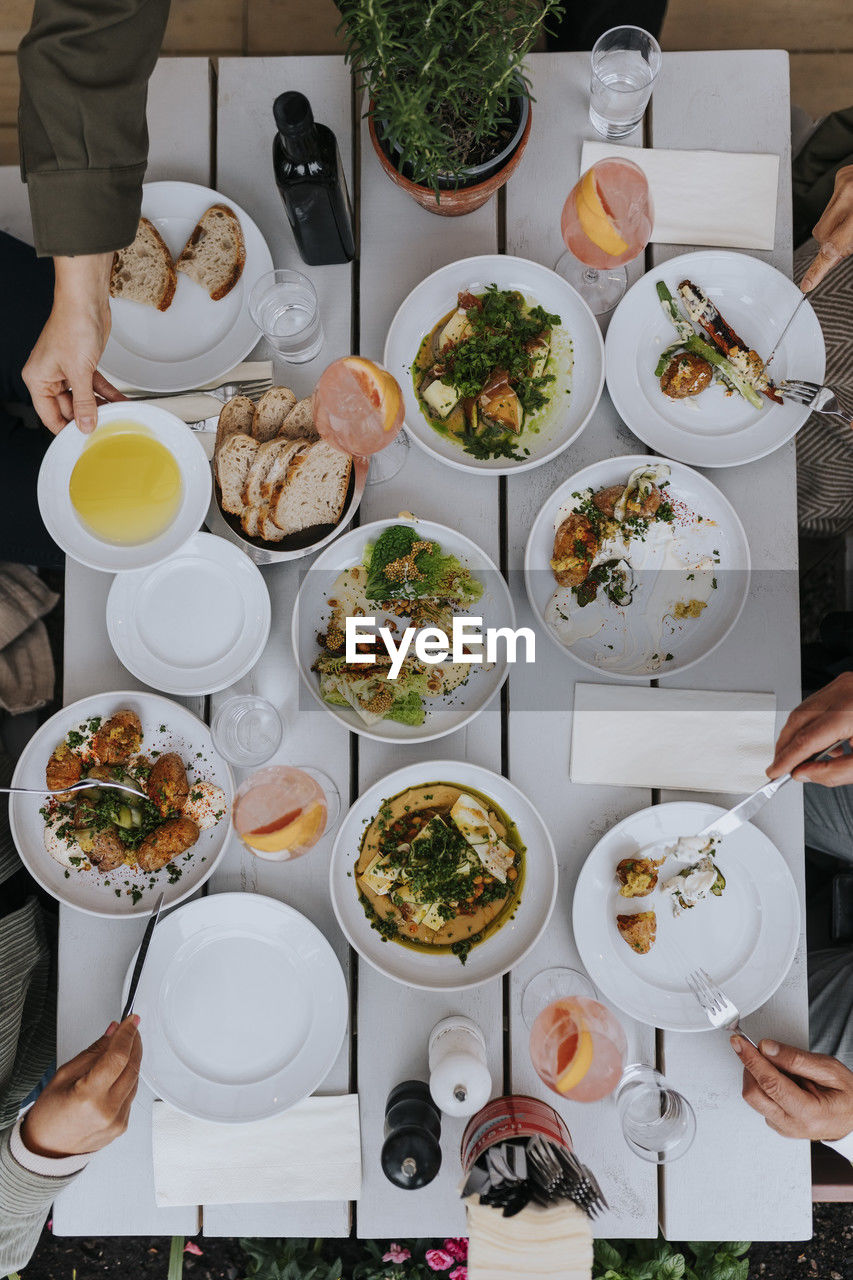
{"x": 34, "y": 1144}
{"x": 83, "y": 279}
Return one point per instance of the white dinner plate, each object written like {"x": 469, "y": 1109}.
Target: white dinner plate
{"x": 196, "y": 340}
{"x": 634, "y": 641}
{"x": 578, "y": 363}
{"x": 498, "y": 953}
{"x": 243, "y": 1006}
{"x": 712, "y": 429}
{"x": 745, "y": 939}
{"x": 68, "y": 530}
{"x": 194, "y": 623}
{"x": 443, "y": 715}
{"x": 166, "y": 726}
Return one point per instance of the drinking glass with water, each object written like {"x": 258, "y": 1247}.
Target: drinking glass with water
{"x": 283, "y": 305}
{"x": 625, "y": 65}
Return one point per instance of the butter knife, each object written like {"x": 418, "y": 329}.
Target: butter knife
{"x": 140, "y": 958}
{"x": 748, "y": 808}
{"x": 794, "y": 315}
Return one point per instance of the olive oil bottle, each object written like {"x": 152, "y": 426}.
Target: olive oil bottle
{"x": 311, "y": 181}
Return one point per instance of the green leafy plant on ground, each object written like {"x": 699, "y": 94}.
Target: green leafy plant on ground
{"x": 441, "y": 75}
{"x": 662, "y": 1260}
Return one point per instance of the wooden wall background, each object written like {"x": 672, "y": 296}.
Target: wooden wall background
{"x": 817, "y": 33}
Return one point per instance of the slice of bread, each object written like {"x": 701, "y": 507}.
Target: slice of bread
{"x": 276, "y": 475}
{"x": 215, "y": 254}
{"x": 236, "y": 415}
{"x": 314, "y": 490}
{"x": 232, "y": 466}
{"x": 264, "y": 458}
{"x": 270, "y": 412}
{"x": 299, "y": 423}
{"x": 144, "y": 271}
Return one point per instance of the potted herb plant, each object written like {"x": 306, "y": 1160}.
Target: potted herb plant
{"x": 450, "y": 108}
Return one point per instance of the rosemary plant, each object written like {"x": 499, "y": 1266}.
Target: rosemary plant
{"x": 441, "y": 76}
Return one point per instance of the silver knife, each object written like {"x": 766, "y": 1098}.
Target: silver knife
{"x": 748, "y": 808}
{"x": 140, "y": 958}
{"x": 784, "y": 331}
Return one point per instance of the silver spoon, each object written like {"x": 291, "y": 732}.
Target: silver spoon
{"x": 85, "y": 784}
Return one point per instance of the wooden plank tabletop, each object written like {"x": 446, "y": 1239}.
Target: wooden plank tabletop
{"x": 761, "y": 1184}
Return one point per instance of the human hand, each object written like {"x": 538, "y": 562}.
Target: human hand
{"x": 817, "y": 1103}
{"x": 62, "y": 370}
{"x": 87, "y": 1103}
{"x": 813, "y": 726}
{"x": 834, "y": 231}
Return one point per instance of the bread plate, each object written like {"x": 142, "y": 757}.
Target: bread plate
{"x": 498, "y": 952}
{"x": 196, "y": 341}
{"x": 444, "y": 714}
{"x": 166, "y": 726}
{"x": 576, "y": 362}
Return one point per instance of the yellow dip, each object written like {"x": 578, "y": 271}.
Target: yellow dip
{"x": 126, "y": 485}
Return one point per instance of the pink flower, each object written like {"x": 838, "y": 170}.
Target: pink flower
{"x": 438, "y": 1259}
{"x": 396, "y": 1253}
{"x": 458, "y": 1273}
{"x": 457, "y": 1247}
{"x": 192, "y": 1247}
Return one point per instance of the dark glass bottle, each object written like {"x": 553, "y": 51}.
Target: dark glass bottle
{"x": 309, "y": 176}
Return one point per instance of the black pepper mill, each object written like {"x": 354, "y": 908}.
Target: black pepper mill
{"x": 411, "y": 1153}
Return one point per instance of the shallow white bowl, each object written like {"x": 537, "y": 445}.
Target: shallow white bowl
{"x": 183, "y": 732}
{"x": 67, "y": 529}
{"x": 567, "y": 415}
{"x": 443, "y": 715}
{"x": 498, "y": 953}
{"x": 723, "y": 532}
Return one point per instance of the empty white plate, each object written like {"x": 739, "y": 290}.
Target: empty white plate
{"x": 745, "y": 939}
{"x": 74, "y": 537}
{"x": 196, "y": 340}
{"x": 194, "y": 623}
{"x": 243, "y": 1008}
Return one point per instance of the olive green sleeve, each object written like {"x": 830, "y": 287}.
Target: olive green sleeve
{"x": 84, "y": 68}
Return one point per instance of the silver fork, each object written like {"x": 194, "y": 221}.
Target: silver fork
{"x": 721, "y": 1012}
{"x": 253, "y": 388}
{"x": 819, "y": 399}
{"x": 84, "y": 784}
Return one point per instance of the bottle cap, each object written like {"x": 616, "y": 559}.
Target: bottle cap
{"x": 293, "y": 112}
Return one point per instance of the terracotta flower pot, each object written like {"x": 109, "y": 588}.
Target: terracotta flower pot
{"x": 453, "y": 203}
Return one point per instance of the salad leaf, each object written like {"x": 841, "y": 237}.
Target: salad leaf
{"x": 419, "y": 570}
{"x": 407, "y": 710}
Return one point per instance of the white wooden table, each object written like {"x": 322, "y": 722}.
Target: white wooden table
{"x": 740, "y": 1180}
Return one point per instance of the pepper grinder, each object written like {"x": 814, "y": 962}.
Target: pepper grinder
{"x": 411, "y": 1152}
{"x": 459, "y": 1080}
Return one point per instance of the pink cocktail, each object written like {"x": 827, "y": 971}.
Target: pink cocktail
{"x": 358, "y": 407}
{"x": 282, "y": 811}
{"x": 578, "y": 1049}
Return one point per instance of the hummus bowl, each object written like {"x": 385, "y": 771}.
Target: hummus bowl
{"x": 517, "y": 867}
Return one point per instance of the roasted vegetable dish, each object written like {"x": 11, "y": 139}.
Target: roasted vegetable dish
{"x": 483, "y": 373}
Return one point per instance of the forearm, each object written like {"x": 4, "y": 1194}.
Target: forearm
{"x": 26, "y": 1194}
{"x": 84, "y": 283}
{"x": 84, "y": 69}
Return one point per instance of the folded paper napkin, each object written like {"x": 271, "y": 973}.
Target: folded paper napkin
{"x": 724, "y": 198}
{"x": 193, "y": 406}
{"x": 693, "y": 740}
{"x": 553, "y": 1243}
{"x": 311, "y": 1152}
{"x": 26, "y": 663}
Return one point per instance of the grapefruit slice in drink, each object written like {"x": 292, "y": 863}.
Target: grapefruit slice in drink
{"x": 596, "y": 219}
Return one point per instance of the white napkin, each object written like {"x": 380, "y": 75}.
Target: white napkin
{"x": 311, "y": 1152}
{"x": 686, "y": 739}
{"x": 553, "y": 1243}
{"x": 194, "y": 406}
{"x": 725, "y": 198}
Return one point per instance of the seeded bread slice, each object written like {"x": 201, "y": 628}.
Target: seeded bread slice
{"x": 276, "y": 475}
{"x": 144, "y": 271}
{"x": 299, "y": 423}
{"x": 237, "y": 414}
{"x": 314, "y": 490}
{"x": 215, "y": 254}
{"x": 271, "y": 411}
{"x": 232, "y": 466}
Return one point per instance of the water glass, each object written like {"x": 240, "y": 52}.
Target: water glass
{"x": 625, "y": 64}
{"x": 658, "y": 1124}
{"x": 283, "y": 305}
{"x": 246, "y": 730}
